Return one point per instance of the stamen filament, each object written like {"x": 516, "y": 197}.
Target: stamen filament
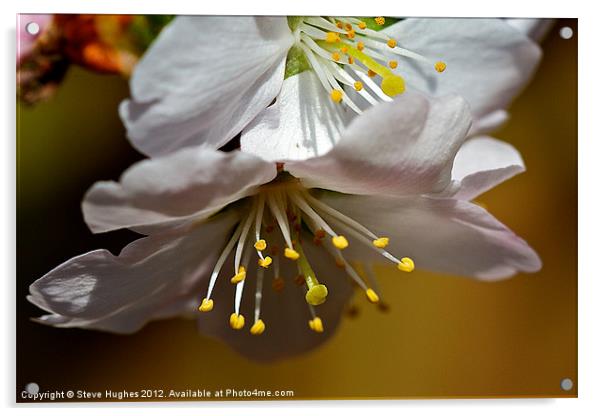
{"x": 243, "y": 237}
{"x": 222, "y": 258}
{"x": 280, "y": 216}
{"x": 258, "y": 292}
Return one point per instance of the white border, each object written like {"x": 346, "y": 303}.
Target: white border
{"x": 590, "y": 139}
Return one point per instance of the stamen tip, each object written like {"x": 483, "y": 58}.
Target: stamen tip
{"x": 316, "y": 325}
{"x": 336, "y": 96}
{"x": 340, "y": 242}
{"x": 258, "y": 327}
{"x": 260, "y": 245}
{"x": 240, "y": 276}
{"x": 406, "y": 265}
{"x": 289, "y": 253}
{"x": 316, "y": 295}
{"x": 237, "y": 321}
{"x": 206, "y": 305}
{"x": 379, "y": 20}
{"x": 381, "y": 242}
{"x": 372, "y": 296}
{"x": 265, "y": 262}
{"x": 440, "y": 66}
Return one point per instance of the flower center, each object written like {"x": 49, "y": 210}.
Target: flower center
{"x": 288, "y": 207}
{"x": 343, "y": 51}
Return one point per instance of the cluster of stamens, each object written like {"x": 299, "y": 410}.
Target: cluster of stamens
{"x": 343, "y": 51}
{"x": 293, "y": 211}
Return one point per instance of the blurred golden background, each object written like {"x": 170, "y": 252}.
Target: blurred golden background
{"x": 443, "y": 336}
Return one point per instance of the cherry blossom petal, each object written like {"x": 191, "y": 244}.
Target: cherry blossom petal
{"x": 488, "y": 61}
{"x": 192, "y": 183}
{"x": 204, "y": 79}
{"x": 443, "y": 235}
{"x": 303, "y": 122}
{"x": 398, "y": 148}
{"x": 536, "y": 29}
{"x": 482, "y": 163}
{"x": 147, "y": 280}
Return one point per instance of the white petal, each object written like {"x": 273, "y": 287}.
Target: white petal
{"x": 204, "y": 79}
{"x": 285, "y": 314}
{"x": 489, "y": 122}
{"x": 482, "y": 163}
{"x": 536, "y": 29}
{"x": 443, "y": 235}
{"x": 403, "y": 147}
{"x": 192, "y": 183}
{"x": 488, "y": 62}
{"x": 121, "y": 293}
{"x": 303, "y": 122}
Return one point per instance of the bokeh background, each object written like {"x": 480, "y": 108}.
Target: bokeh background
{"x": 442, "y": 337}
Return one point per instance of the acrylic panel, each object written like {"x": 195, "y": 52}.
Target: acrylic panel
{"x": 295, "y": 208}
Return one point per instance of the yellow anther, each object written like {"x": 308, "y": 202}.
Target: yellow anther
{"x": 406, "y": 265}
{"x": 340, "y": 25}
{"x": 278, "y": 284}
{"x": 289, "y": 253}
{"x": 260, "y": 245}
{"x": 240, "y": 276}
{"x": 391, "y": 43}
{"x": 348, "y": 26}
{"x": 332, "y": 37}
{"x": 350, "y": 34}
{"x": 379, "y": 20}
{"x": 316, "y": 295}
{"x": 350, "y": 60}
{"x": 344, "y": 49}
{"x": 206, "y": 305}
{"x": 362, "y": 25}
{"x": 237, "y": 321}
{"x": 265, "y": 262}
{"x": 358, "y": 85}
{"x": 381, "y": 242}
{"x": 440, "y": 66}
{"x": 340, "y": 242}
{"x": 336, "y": 56}
{"x": 371, "y": 73}
{"x": 336, "y": 96}
{"x": 372, "y": 296}
{"x": 393, "y": 85}
{"x": 316, "y": 325}
{"x": 360, "y": 46}
{"x": 392, "y": 64}
{"x": 258, "y": 327}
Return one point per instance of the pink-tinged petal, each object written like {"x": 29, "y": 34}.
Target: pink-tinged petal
{"x": 443, "y": 235}
{"x": 148, "y": 280}
{"x": 285, "y": 314}
{"x": 403, "y": 147}
{"x": 482, "y": 163}
{"x": 203, "y": 80}
{"x": 25, "y": 40}
{"x": 192, "y": 183}
{"x": 488, "y": 61}
{"x": 303, "y": 122}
